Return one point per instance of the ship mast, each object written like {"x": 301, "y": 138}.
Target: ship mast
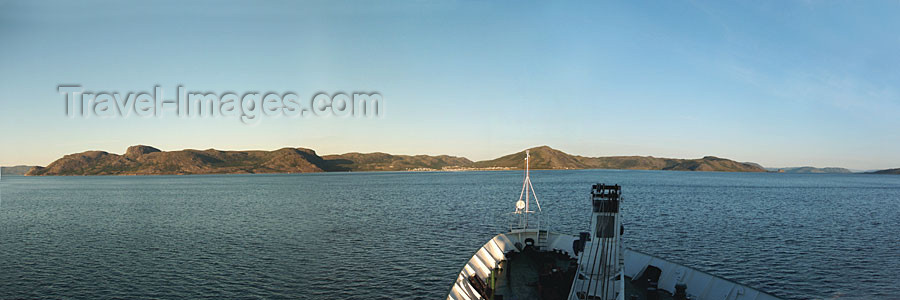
{"x": 523, "y": 206}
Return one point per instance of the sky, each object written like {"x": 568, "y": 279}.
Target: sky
{"x": 780, "y": 83}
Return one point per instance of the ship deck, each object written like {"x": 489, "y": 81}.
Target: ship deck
{"x": 538, "y": 275}
{"x": 534, "y": 275}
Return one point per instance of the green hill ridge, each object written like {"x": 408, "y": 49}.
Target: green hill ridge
{"x": 146, "y": 160}
{"x": 544, "y": 157}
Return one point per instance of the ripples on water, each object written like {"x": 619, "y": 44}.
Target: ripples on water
{"x": 405, "y": 235}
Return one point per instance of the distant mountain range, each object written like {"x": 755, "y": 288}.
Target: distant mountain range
{"x": 548, "y": 158}
{"x": 146, "y": 160}
{"x": 15, "y": 170}
{"x": 809, "y": 170}
{"x": 888, "y": 171}
{"x": 387, "y": 162}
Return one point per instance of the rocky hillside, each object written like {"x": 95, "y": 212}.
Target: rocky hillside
{"x": 541, "y": 158}
{"x": 707, "y": 163}
{"x": 146, "y": 160}
{"x": 548, "y": 158}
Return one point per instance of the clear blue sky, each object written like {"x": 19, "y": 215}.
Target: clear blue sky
{"x": 775, "y": 82}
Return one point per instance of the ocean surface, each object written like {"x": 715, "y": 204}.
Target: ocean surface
{"x": 406, "y": 235}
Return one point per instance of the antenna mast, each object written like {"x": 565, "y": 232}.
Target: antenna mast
{"x": 523, "y": 206}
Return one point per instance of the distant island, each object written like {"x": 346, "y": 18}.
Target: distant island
{"x": 14, "y": 170}
{"x": 548, "y": 158}
{"x": 146, "y": 160}
{"x": 810, "y": 170}
{"x": 888, "y": 171}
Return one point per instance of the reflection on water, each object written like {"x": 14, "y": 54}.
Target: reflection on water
{"x": 405, "y": 235}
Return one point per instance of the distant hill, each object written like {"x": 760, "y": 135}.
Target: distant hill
{"x": 387, "y": 162}
{"x": 15, "y": 170}
{"x": 146, "y": 160}
{"x": 810, "y": 170}
{"x": 541, "y": 158}
{"x": 888, "y": 171}
{"x": 545, "y": 157}
{"x": 755, "y": 165}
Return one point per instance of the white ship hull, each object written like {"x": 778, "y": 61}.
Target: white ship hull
{"x": 486, "y": 261}
{"x": 492, "y": 256}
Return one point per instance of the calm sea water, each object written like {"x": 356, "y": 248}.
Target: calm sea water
{"x": 406, "y": 235}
